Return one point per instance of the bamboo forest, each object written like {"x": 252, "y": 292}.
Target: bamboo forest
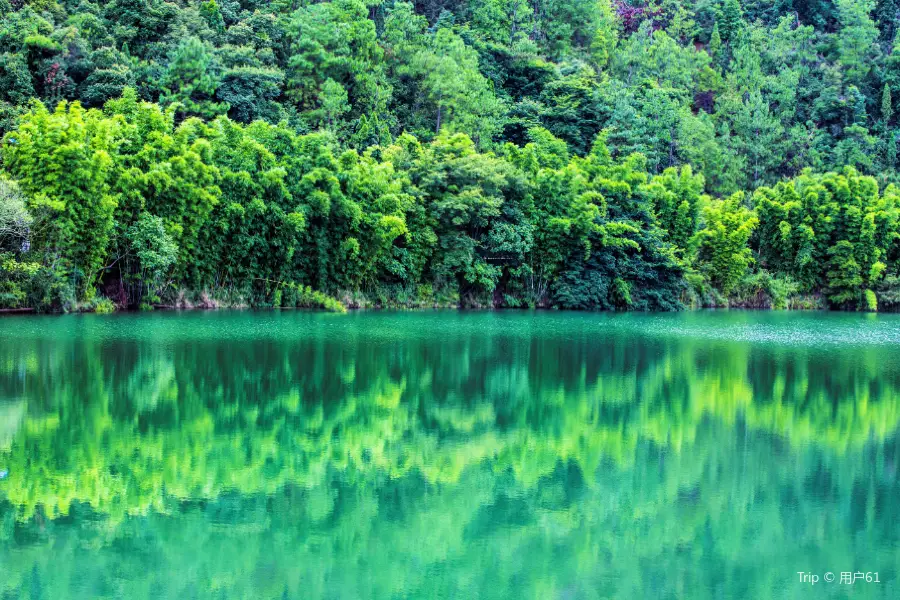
{"x": 449, "y": 299}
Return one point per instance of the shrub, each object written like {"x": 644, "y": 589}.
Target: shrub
{"x": 100, "y": 305}
{"x": 298, "y": 296}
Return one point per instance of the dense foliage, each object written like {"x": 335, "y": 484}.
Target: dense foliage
{"x": 583, "y": 154}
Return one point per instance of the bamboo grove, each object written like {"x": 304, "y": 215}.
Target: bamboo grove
{"x": 579, "y": 155}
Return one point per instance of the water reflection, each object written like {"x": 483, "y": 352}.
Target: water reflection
{"x": 446, "y": 455}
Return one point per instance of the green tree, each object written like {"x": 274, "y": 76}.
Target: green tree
{"x": 479, "y": 205}
{"x": 462, "y": 98}
{"x": 598, "y": 246}
{"x": 722, "y": 251}
{"x": 163, "y": 172}
{"x": 888, "y": 135}
{"x": 715, "y": 44}
{"x": 676, "y": 199}
{"x": 606, "y": 35}
{"x": 856, "y": 38}
{"x": 154, "y": 250}
{"x": 335, "y": 41}
{"x": 192, "y": 79}
{"x": 334, "y": 104}
{"x": 732, "y": 20}
{"x": 63, "y": 161}
{"x": 830, "y": 232}
{"x": 15, "y": 220}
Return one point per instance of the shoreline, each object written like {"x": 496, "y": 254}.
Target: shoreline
{"x": 12, "y": 312}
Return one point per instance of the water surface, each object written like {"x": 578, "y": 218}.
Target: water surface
{"x": 448, "y": 455}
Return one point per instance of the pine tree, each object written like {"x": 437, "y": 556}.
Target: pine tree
{"x": 890, "y": 141}
{"x": 858, "y": 101}
{"x": 732, "y": 19}
{"x": 890, "y": 158}
{"x": 855, "y": 39}
{"x": 715, "y": 44}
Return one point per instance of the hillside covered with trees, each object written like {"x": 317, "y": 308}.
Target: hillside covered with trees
{"x": 581, "y": 154}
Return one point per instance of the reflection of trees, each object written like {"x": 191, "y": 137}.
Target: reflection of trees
{"x": 11, "y": 416}
{"x": 380, "y": 460}
{"x": 732, "y": 514}
{"x": 133, "y": 423}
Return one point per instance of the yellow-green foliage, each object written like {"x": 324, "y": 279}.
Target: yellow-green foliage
{"x": 64, "y": 161}
{"x": 15, "y": 278}
{"x": 722, "y": 250}
{"x": 131, "y": 198}
{"x": 101, "y": 305}
{"x": 306, "y": 297}
{"x": 833, "y": 232}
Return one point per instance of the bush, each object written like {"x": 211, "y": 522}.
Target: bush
{"x": 298, "y": 296}
{"x": 871, "y": 301}
{"x": 28, "y": 284}
{"x": 701, "y": 292}
{"x": 100, "y": 305}
{"x": 888, "y": 293}
{"x": 15, "y": 281}
{"x": 764, "y": 290}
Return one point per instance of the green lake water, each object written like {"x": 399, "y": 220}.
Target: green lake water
{"x": 241, "y": 455}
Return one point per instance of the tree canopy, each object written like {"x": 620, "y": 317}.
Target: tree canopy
{"x": 476, "y": 152}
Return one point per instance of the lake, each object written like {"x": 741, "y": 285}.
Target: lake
{"x": 288, "y": 455}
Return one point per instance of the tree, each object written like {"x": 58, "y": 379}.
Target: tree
{"x": 890, "y": 154}
{"x": 732, "y": 20}
{"x": 831, "y": 231}
{"x": 112, "y": 73}
{"x": 478, "y": 203}
{"x": 334, "y": 104}
{"x": 154, "y": 250}
{"x": 599, "y": 244}
{"x": 676, "y": 199}
{"x": 335, "y": 41}
{"x": 715, "y": 44}
{"x": 856, "y": 38}
{"x": 15, "y": 220}
{"x": 722, "y": 251}
{"x": 844, "y": 275}
{"x": 64, "y": 162}
{"x": 192, "y": 79}
{"x": 161, "y": 171}
{"x": 606, "y": 35}
{"x": 757, "y": 136}
{"x": 249, "y": 91}
{"x": 16, "y": 84}
{"x": 888, "y": 136}
{"x": 461, "y": 96}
